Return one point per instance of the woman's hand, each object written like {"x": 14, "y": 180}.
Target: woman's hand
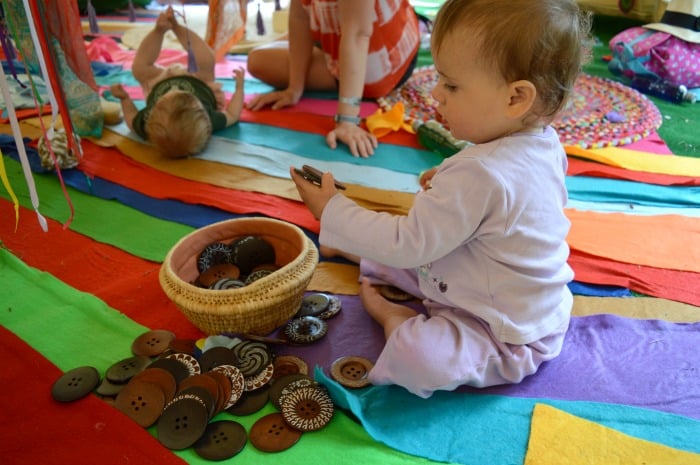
{"x": 276, "y": 100}
{"x": 360, "y": 142}
{"x": 316, "y": 198}
{"x": 118, "y": 91}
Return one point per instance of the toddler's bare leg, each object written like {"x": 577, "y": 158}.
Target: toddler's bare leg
{"x": 144, "y": 67}
{"x": 388, "y": 314}
{"x": 202, "y": 52}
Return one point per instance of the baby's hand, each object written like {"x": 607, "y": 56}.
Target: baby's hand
{"x": 118, "y": 91}
{"x": 166, "y": 20}
{"x": 425, "y": 178}
{"x": 239, "y": 75}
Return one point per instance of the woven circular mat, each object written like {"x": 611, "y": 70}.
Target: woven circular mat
{"x": 601, "y": 112}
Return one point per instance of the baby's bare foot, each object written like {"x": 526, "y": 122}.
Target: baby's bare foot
{"x": 388, "y": 314}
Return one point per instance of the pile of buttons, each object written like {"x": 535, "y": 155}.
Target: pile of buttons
{"x": 235, "y": 264}
{"x": 171, "y": 384}
{"x": 309, "y": 323}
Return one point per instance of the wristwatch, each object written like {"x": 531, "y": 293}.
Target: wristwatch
{"x": 347, "y": 119}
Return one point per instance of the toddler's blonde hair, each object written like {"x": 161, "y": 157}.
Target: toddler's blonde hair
{"x": 178, "y": 125}
{"x": 545, "y": 42}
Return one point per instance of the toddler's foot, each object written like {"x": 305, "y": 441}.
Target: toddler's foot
{"x": 388, "y": 314}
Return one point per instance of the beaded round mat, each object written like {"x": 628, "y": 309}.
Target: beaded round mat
{"x": 601, "y": 112}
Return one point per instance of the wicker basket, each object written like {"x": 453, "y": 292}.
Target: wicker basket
{"x": 257, "y": 308}
{"x": 645, "y": 10}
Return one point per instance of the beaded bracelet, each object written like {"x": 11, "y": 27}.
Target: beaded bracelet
{"x": 347, "y": 119}
{"x": 354, "y": 101}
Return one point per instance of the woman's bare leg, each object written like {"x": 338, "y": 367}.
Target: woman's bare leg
{"x": 270, "y": 64}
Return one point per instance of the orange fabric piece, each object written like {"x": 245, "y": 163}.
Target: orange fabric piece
{"x": 661, "y": 241}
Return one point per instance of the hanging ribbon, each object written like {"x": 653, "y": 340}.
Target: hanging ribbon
{"x": 24, "y": 160}
{"x": 132, "y": 12}
{"x": 92, "y": 18}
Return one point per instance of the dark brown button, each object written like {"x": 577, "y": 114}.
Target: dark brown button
{"x": 236, "y": 380}
{"x": 280, "y": 384}
{"x": 182, "y": 346}
{"x": 261, "y": 379}
{"x": 202, "y": 381}
{"x": 218, "y": 272}
{"x": 183, "y": 421}
{"x": 305, "y": 329}
{"x": 142, "y": 402}
{"x": 250, "y": 402}
{"x": 251, "y": 251}
{"x": 221, "y": 440}
{"x": 75, "y": 384}
{"x": 124, "y": 370}
{"x": 189, "y": 361}
{"x": 289, "y": 364}
{"x": 351, "y": 371}
{"x": 307, "y": 408}
{"x": 175, "y": 367}
{"x": 216, "y": 356}
{"x": 152, "y": 343}
{"x": 224, "y": 384}
{"x": 272, "y": 434}
{"x": 106, "y": 388}
{"x": 161, "y": 378}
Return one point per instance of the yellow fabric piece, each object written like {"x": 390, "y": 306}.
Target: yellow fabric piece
{"x": 559, "y": 438}
{"x": 380, "y": 123}
{"x": 660, "y": 241}
{"x": 678, "y": 165}
{"x": 335, "y": 278}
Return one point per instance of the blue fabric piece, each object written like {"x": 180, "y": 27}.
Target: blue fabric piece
{"x": 488, "y": 429}
{"x": 598, "y": 290}
{"x": 636, "y": 193}
{"x": 391, "y": 157}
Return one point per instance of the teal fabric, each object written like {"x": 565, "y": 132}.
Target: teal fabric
{"x": 488, "y": 429}
{"x": 635, "y": 193}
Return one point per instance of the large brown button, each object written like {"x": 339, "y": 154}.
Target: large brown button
{"x": 307, "y": 408}
{"x": 218, "y": 272}
{"x": 272, "y": 434}
{"x": 175, "y": 367}
{"x": 236, "y": 381}
{"x": 75, "y": 384}
{"x": 261, "y": 379}
{"x": 394, "y": 294}
{"x": 351, "y": 371}
{"x": 141, "y": 401}
{"x": 152, "y": 343}
{"x": 106, "y": 388}
{"x": 123, "y": 370}
{"x": 221, "y": 440}
{"x": 250, "y": 402}
{"x": 334, "y": 307}
{"x": 189, "y": 361}
{"x": 251, "y": 251}
{"x": 202, "y": 381}
{"x": 253, "y": 357}
{"x": 183, "y": 421}
{"x": 216, "y": 356}
{"x": 213, "y": 254}
{"x": 159, "y": 377}
{"x": 289, "y": 364}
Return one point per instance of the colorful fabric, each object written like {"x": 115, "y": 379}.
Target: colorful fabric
{"x": 395, "y": 40}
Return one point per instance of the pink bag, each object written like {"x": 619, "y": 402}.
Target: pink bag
{"x": 641, "y": 51}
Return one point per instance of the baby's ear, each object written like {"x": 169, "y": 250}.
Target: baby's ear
{"x": 522, "y": 98}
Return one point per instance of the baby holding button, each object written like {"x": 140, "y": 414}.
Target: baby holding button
{"x": 484, "y": 246}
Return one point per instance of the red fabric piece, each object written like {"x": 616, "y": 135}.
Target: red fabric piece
{"x": 35, "y": 427}
{"x": 108, "y": 163}
{"x": 681, "y": 286}
{"x": 579, "y": 167}
{"x": 123, "y": 281}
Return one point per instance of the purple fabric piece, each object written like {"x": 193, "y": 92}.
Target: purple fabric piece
{"x": 606, "y": 358}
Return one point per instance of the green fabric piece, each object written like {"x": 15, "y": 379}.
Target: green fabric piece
{"x": 73, "y": 328}
{"x": 124, "y": 227}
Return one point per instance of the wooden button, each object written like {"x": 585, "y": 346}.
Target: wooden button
{"x": 250, "y": 402}
{"x": 160, "y": 377}
{"x": 307, "y": 408}
{"x": 213, "y": 254}
{"x": 287, "y": 365}
{"x": 281, "y": 383}
{"x": 394, "y": 293}
{"x": 216, "y": 356}
{"x": 221, "y": 440}
{"x": 152, "y": 343}
{"x": 75, "y": 384}
{"x": 351, "y": 372}
{"x": 305, "y": 329}
{"x": 175, "y": 367}
{"x": 183, "y": 422}
{"x": 123, "y": 370}
{"x": 141, "y": 401}
{"x": 313, "y": 305}
{"x": 218, "y": 272}
{"x": 271, "y": 433}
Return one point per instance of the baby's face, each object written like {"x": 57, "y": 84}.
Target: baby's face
{"x": 471, "y": 94}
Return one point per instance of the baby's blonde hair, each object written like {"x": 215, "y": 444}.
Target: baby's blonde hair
{"x": 178, "y": 125}
{"x": 545, "y": 42}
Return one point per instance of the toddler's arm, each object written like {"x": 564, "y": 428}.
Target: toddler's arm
{"x": 128, "y": 107}
{"x": 235, "y": 105}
